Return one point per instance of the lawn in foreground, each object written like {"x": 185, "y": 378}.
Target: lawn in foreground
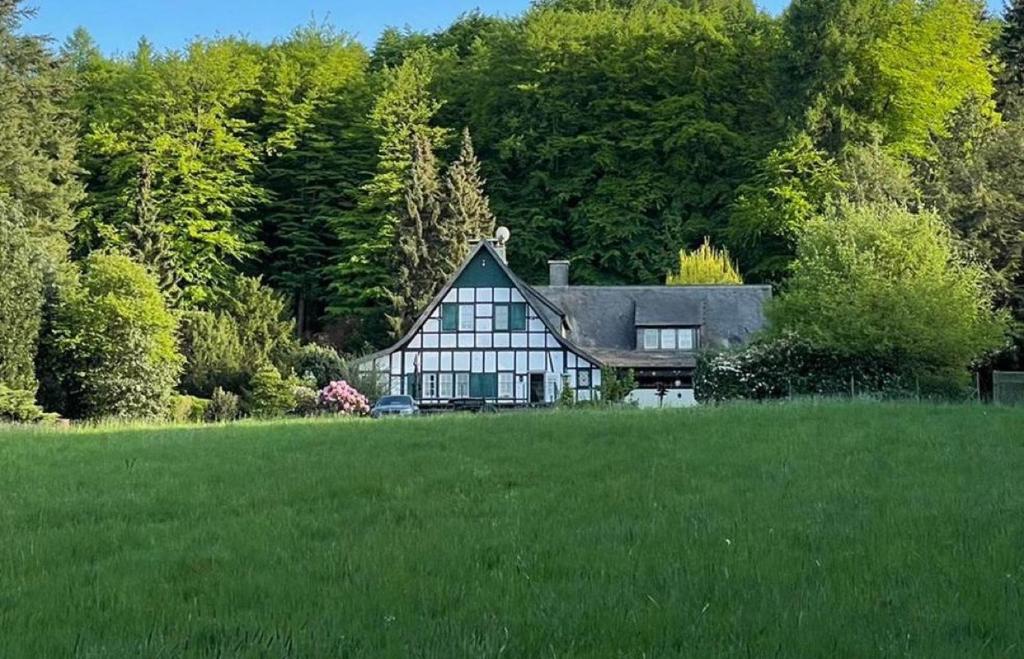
{"x": 834, "y": 530}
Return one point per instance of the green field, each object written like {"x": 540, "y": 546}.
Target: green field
{"x": 810, "y": 531}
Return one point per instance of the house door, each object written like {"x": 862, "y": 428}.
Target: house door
{"x": 536, "y": 388}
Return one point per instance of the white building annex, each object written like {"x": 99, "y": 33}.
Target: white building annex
{"x": 490, "y": 337}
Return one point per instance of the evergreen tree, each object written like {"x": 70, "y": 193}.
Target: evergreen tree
{"x": 1010, "y": 49}
{"x": 21, "y": 300}
{"x": 418, "y": 261}
{"x": 148, "y": 239}
{"x": 404, "y": 106}
{"x": 37, "y": 133}
{"x": 468, "y": 208}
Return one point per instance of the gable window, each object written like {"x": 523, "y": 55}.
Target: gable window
{"x": 504, "y": 385}
{"x": 449, "y": 317}
{"x": 510, "y": 316}
{"x": 467, "y": 317}
{"x": 501, "y": 317}
{"x": 462, "y": 385}
{"x": 517, "y": 316}
{"x": 446, "y": 386}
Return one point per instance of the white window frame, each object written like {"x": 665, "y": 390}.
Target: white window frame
{"x": 462, "y": 385}
{"x": 430, "y": 385}
{"x": 650, "y": 334}
{"x": 467, "y": 317}
{"x": 446, "y": 386}
{"x": 501, "y": 317}
{"x": 668, "y": 339}
{"x": 583, "y": 379}
{"x": 506, "y": 385}
{"x": 691, "y": 339}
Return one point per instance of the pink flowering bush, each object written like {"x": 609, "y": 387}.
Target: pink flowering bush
{"x": 339, "y": 397}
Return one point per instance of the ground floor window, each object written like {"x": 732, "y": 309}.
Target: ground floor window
{"x": 505, "y": 385}
{"x": 430, "y": 385}
{"x": 446, "y": 385}
{"x": 462, "y": 385}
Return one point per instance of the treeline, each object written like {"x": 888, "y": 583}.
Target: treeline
{"x": 349, "y": 181}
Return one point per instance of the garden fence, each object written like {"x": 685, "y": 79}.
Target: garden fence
{"x": 1008, "y": 388}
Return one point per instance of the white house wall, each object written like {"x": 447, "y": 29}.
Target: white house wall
{"x": 534, "y": 352}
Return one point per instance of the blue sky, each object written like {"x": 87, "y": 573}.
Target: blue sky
{"x": 117, "y": 24}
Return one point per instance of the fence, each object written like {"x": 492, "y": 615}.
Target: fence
{"x": 1008, "y": 388}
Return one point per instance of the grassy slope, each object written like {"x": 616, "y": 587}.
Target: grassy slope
{"x": 795, "y": 531}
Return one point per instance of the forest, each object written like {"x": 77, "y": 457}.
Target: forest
{"x": 184, "y": 219}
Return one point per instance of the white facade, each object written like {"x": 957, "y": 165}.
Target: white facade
{"x": 483, "y": 339}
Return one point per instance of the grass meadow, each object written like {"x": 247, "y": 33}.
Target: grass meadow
{"x": 849, "y": 530}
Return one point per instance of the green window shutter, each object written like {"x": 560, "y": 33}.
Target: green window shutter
{"x": 410, "y": 386}
{"x": 483, "y": 385}
{"x": 517, "y": 316}
{"x": 449, "y": 317}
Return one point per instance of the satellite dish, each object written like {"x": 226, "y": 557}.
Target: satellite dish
{"x": 502, "y": 235}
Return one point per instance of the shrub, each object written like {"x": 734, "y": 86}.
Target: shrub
{"x": 877, "y": 279}
{"x": 321, "y": 363}
{"x": 116, "y": 340}
{"x": 265, "y": 332}
{"x": 342, "y": 398}
{"x": 21, "y": 301}
{"x": 224, "y": 406}
{"x": 188, "y": 409}
{"x": 705, "y": 265}
{"x": 788, "y": 365}
{"x": 213, "y": 353}
{"x": 307, "y": 400}
{"x": 19, "y": 406}
{"x": 268, "y": 394}
{"x": 616, "y": 385}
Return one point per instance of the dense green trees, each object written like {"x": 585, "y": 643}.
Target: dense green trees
{"x": 117, "y": 342}
{"x": 312, "y": 187}
{"x": 877, "y": 279}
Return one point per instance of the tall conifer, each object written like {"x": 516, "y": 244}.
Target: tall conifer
{"x": 468, "y": 208}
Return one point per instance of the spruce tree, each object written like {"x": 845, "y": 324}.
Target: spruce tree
{"x": 416, "y": 263}
{"x": 1010, "y": 49}
{"x": 468, "y": 208}
{"x": 37, "y": 133}
{"x": 149, "y": 243}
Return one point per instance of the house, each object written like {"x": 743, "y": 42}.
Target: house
{"x": 489, "y": 335}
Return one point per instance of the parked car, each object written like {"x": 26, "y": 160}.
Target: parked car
{"x": 394, "y": 406}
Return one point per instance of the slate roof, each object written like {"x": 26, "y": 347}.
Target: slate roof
{"x": 603, "y": 319}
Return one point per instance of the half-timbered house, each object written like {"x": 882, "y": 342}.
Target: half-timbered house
{"x": 489, "y": 336}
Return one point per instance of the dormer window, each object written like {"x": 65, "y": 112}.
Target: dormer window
{"x": 667, "y": 338}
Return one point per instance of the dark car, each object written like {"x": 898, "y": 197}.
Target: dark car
{"x": 394, "y": 406}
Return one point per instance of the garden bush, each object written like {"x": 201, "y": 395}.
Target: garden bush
{"x": 116, "y": 342}
{"x": 789, "y": 365}
{"x": 340, "y": 397}
{"x": 268, "y": 394}
{"x": 188, "y": 409}
{"x": 265, "y": 332}
{"x": 307, "y": 400}
{"x": 224, "y": 406}
{"x": 321, "y": 363}
{"x": 19, "y": 406}
{"x": 213, "y": 353}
